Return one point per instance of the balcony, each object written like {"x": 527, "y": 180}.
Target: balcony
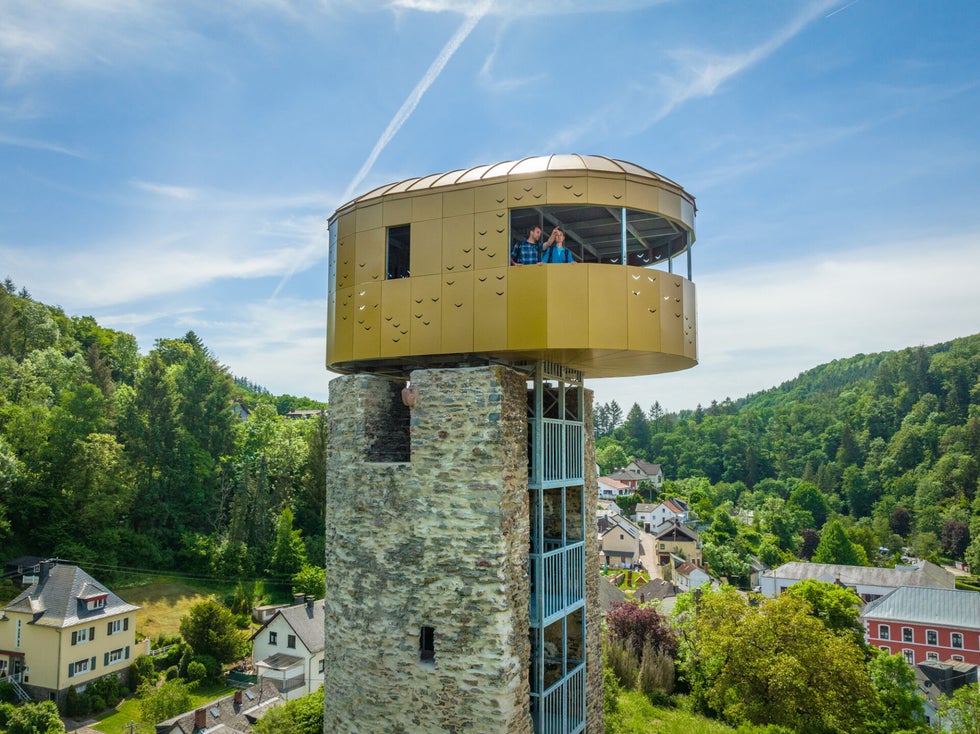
{"x": 561, "y": 708}
{"x": 557, "y": 581}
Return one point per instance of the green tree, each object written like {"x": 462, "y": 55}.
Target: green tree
{"x": 773, "y": 663}
{"x": 311, "y": 581}
{"x": 288, "y": 550}
{"x": 209, "y": 628}
{"x": 610, "y": 458}
{"x": 808, "y": 498}
{"x": 158, "y": 703}
{"x": 35, "y": 718}
{"x": 900, "y": 706}
{"x": 637, "y": 429}
{"x": 302, "y": 715}
{"x": 835, "y": 547}
{"x": 838, "y": 607}
{"x": 960, "y": 713}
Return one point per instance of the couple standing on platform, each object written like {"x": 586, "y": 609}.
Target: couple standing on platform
{"x": 529, "y": 252}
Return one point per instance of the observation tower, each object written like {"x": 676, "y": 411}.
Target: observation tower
{"x": 462, "y": 560}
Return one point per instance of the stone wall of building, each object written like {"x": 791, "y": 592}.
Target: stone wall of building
{"x": 593, "y": 612}
{"x": 440, "y": 541}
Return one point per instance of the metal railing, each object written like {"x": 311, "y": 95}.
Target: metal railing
{"x": 563, "y": 443}
{"x": 558, "y": 581}
{"x": 561, "y": 708}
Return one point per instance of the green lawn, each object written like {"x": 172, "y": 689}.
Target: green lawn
{"x": 636, "y": 715}
{"x": 117, "y": 720}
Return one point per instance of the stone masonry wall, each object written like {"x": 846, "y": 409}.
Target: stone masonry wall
{"x": 595, "y": 720}
{"x": 440, "y": 541}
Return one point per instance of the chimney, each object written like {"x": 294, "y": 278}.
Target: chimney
{"x": 200, "y": 719}
{"x": 298, "y": 599}
{"x": 238, "y": 697}
{"x": 44, "y": 571}
{"x": 309, "y": 602}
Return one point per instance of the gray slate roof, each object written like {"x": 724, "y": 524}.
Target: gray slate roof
{"x": 921, "y": 605}
{"x": 927, "y": 575}
{"x": 231, "y": 717}
{"x": 308, "y": 624}
{"x": 54, "y": 600}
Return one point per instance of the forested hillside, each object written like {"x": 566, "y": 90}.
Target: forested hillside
{"x": 884, "y": 446}
{"x": 111, "y": 458}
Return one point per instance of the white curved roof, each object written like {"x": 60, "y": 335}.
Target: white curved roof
{"x": 535, "y": 164}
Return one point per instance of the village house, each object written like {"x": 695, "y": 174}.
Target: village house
{"x": 66, "y": 630}
{"x": 287, "y": 650}
{"x": 608, "y": 507}
{"x": 233, "y": 714}
{"x": 650, "y": 516}
{"x": 619, "y": 542}
{"x": 612, "y": 489}
{"x": 926, "y": 624}
{"x": 640, "y": 471}
{"x": 678, "y": 539}
{"x": 868, "y": 582}
{"x": 684, "y": 574}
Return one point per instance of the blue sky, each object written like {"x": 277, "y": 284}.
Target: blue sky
{"x": 168, "y": 165}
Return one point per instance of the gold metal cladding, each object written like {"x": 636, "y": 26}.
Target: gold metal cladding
{"x": 464, "y": 303}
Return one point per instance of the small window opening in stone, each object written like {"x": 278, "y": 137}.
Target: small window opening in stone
{"x": 388, "y": 426}
{"x": 427, "y": 645}
{"x": 397, "y": 259}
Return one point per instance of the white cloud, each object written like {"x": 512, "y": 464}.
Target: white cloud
{"x": 524, "y": 8}
{"x": 697, "y": 74}
{"x": 169, "y": 191}
{"x": 32, "y": 144}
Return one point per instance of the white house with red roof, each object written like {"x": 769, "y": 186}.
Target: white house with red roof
{"x": 610, "y": 489}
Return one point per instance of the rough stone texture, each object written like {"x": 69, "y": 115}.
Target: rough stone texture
{"x": 594, "y": 716}
{"x": 440, "y": 541}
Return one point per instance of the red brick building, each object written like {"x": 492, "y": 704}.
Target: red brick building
{"x": 925, "y": 624}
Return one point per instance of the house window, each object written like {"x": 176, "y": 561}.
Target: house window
{"x": 98, "y": 603}
{"x": 622, "y": 537}
{"x": 933, "y": 656}
{"x": 81, "y": 636}
{"x": 883, "y": 632}
{"x": 956, "y": 640}
{"x": 427, "y": 645}
{"x": 320, "y": 667}
{"x": 907, "y": 634}
{"x": 932, "y": 637}
{"x": 957, "y": 658}
{"x": 82, "y": 666}
{"x": 909, "y": 656}
{"x": 291, "y": 641}
{"x": 115, "y": 627}
{"x": 397, "y": 260}
{"x": 113, "y": 657}
{"x": 273, "y": 638}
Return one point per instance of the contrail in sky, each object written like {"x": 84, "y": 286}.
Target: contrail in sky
{"x": 406, "y": 110}
{"x": 413, "y": 99}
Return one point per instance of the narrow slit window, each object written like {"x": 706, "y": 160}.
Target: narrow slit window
{"x": 397, "y": 255}
{"x": 427, "y": 645}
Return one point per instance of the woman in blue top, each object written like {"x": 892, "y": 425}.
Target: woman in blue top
{"x": 557, "y": 252}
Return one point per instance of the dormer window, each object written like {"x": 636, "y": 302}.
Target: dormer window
{"x": 94, "y": 603}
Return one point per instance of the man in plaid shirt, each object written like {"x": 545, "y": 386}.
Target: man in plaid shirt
{"x": 528, "y": 252}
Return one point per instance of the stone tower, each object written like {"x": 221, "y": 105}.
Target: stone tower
{"x": 462, "y": 561}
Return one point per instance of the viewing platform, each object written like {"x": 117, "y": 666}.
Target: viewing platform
{"x": 420, "y": 272}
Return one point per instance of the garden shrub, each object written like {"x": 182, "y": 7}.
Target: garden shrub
{"x": 173, "y": 673}
{"x": 142, "y": 671}
{"x": 196, "y": 671}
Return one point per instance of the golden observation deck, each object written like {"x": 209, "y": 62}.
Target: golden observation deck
{"x": 420, "y": 274}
